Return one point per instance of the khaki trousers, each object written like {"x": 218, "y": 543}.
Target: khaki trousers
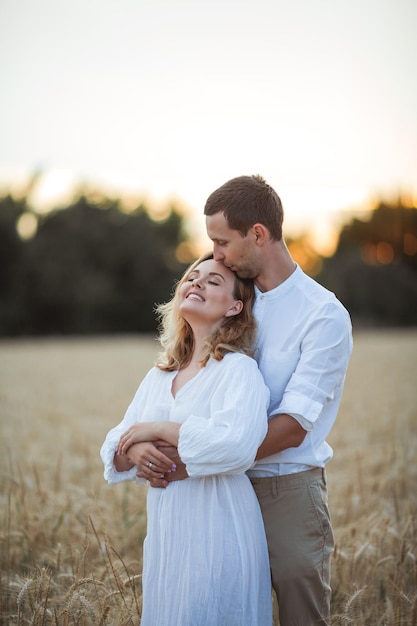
{"x": 300, "y": 543}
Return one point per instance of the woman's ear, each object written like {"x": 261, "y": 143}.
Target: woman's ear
{"x": 235, "y": 309}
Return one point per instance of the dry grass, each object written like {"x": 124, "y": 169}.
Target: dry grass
{"x": 70, "y": 546}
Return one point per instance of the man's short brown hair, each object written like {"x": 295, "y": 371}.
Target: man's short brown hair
{"x": 245, "y": 201}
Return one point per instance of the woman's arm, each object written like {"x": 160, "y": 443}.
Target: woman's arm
{"x": 148, "y": 431}
{"x": 137, "y": 446}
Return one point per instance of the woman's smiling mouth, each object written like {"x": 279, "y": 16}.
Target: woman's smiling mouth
{"x": 195, "y": 296}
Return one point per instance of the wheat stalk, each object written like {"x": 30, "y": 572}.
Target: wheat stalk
{"x": 80, "y": 599}
{"x": 413, "y": 621}
{"x": 119, "y": 582}
{"x": 46, "y": 520}
{"x": 22, "y": 595}
{"x": 352, "y": 599}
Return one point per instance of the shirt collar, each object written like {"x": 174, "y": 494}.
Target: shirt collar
{"x": 283, "y": 288}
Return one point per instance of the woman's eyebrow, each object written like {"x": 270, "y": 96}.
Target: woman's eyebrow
{"x": 210, "y": 274}
{"x": 217, "y": 274}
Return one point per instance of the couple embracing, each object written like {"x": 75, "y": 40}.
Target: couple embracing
{"x": 230, "y": 429}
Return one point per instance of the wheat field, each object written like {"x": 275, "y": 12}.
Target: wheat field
{"x": 70, "y": 545}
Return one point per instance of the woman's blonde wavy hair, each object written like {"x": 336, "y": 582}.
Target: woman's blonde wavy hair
{"x": 236, "y": 333}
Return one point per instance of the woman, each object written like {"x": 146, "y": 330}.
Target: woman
{"x": 205, "y": 560}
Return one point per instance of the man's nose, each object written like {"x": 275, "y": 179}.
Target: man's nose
{"x": 217, "y": 254}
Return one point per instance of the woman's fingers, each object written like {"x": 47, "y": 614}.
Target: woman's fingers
{"x": 164, "y": 461}
{"x": 155, "y": 460}
{"x": 126, "y": 440}
{"x": 154, "y": 467}
{"x": 121, "y": 444}
{"x": 151, "y": 461}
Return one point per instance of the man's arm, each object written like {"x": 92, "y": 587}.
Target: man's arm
{"x": 283, "y": 432}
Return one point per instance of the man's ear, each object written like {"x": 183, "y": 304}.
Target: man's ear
{"x": 260, "y": 233}
{"x": 235, "y": 309}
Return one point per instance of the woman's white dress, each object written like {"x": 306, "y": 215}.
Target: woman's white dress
{"x": 205, "y": 560}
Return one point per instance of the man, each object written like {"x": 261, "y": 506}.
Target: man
{"x": 303, "y": 348}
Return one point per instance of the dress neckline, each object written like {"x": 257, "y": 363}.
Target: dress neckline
{"x": 186, "y": 384}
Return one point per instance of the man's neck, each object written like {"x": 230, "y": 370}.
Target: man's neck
{"x": 278, "y": 266}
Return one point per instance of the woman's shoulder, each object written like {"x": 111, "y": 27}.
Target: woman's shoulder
{"x": 234, "y": 359}
{"x": 242, "y": 371}
{"x": 154, "y": 375}
{"x": 238, "y": 355}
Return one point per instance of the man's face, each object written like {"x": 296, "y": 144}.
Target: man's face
{"x": 236, "y": 252}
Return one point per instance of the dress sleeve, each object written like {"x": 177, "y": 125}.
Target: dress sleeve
{"x": 111, "y": 475}
{"x": 227, "y": 441}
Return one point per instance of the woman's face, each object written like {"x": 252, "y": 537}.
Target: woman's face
{"x": 206, "y": 294}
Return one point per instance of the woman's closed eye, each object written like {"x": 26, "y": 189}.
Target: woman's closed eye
{"x": 191, "y": 279}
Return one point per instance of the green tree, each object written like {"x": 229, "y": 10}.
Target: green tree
{"x": 374, "y": 269}
{"x": 11, "y": 252}
{"x": 91, "y": 268}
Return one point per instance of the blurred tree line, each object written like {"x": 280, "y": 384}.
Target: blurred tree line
{"x": 92, "y": 267}
{"x": 88, "y": 268}
{"x": 374, "y": 269}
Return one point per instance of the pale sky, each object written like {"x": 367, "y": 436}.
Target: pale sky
{"x": 171, "y": 98}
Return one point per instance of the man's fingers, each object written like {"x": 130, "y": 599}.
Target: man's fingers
{"x": 154, "y": 481}
{"x": 160, "y": 483}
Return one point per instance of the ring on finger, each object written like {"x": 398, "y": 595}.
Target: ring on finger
{"x": 149, "y": 464}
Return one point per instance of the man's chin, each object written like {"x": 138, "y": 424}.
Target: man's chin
{"x": 241, "y": 272}
{"x": 244, "y": 273}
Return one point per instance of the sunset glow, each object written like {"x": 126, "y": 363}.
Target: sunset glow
{"x": 171, "y": 110}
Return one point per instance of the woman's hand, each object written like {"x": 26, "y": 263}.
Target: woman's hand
{"x": 146, "y": 456}
{"x": 179, "y": 473}
{"x": 134, "y": 434}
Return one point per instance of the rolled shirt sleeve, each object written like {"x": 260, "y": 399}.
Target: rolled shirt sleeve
{"x": 321, "y": 369}
{"x": 303, "y": 349}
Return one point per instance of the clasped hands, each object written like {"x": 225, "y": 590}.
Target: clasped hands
{"x": 157, "y": 466}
